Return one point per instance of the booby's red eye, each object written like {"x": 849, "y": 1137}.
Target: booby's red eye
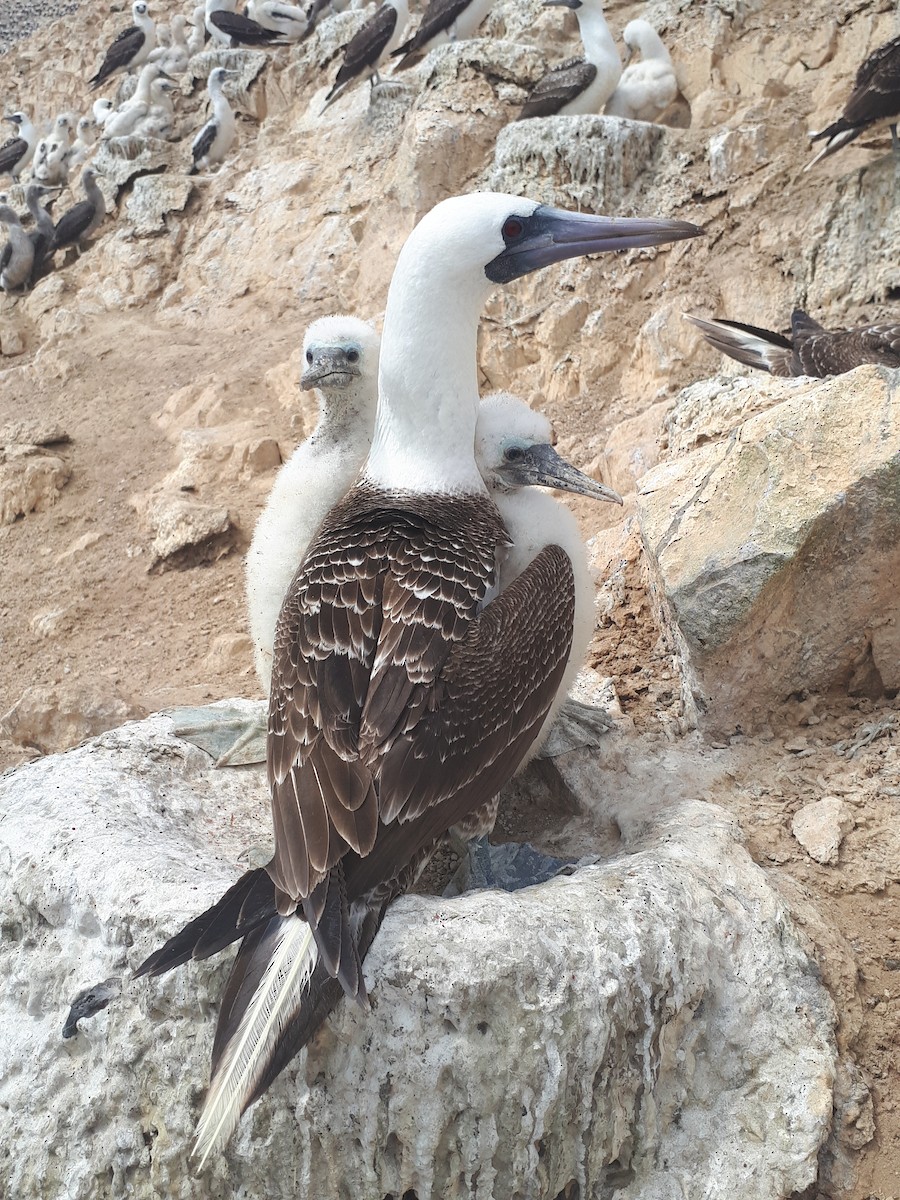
{"x": 512, "y": 229}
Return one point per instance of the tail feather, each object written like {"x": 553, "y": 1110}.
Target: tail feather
{"x": 270, "y": 977}
{"x": 249, "y": 903}
{"x": 748, "y": 344}
{"x": 835, "y": 141}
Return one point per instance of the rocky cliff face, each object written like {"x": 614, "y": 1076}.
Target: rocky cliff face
{"x": 149, "y": 393}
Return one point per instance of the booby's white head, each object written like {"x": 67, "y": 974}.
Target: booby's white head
{"x": 101, "y": 110}
{"x": 20, "y": 119}
{"x": 140, "y": 11}
{"x": 514, "y": 449}
{"x": 428, "y": 382}
{"x": 640, "y": 36}
{"x": 338, "y": 350}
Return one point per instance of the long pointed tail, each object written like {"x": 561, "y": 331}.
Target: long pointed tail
{"x": 748, "y": 344}
{"x": 264, "y": 993}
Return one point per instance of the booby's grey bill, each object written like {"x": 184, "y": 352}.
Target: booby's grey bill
{"x": 552, "y": 235}
{"x": 333, "y": 366}
{"x": 541, "y": 466}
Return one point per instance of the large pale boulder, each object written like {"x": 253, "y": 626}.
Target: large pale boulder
{"x": 776, "y": 551}
{"x": 650, "y": 1023}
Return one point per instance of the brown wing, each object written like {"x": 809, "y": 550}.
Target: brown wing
{"x": 365, "y": 47}
{"x": 120, "y": 53}
{"x": 439, "y": 15}
{"x": 835, "y": 353}
{"x": 558, "y": 88}
{"x": 876, "y": 92}
{"x": 367, "y": 624}
{"x": 11, "y": 152}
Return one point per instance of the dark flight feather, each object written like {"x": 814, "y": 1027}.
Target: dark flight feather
{"x": 10, "y": 153}
{"x": 365, "y": 47}
{"x": 120, "y": 53}
{"x": 558, "y": 88}
{"x": 244, "y": 31}
{"x": 439, "y": 16}
{"x": 72, "y": 224}
{"x": 875, "y": 99}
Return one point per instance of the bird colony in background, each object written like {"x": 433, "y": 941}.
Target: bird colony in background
{"x": 153, "y": 57}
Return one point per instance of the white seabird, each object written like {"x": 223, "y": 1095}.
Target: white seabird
{"x": 230, "y": 28}
{"x": 51, "y": 162}
{"x": 216, "y": 137}
{"x": 101, "y": 110}
{"x": 88, "y": 132}
{"x": 17, "y": 153}
{"x": 579, "y": 85}
{"x": 370, "y": 47}
{"x": 649, "y": 86}
{"x": 405, "y": 692}
{"x": 124, "y": 121}
{"x": 199, "y": 33}
{"x": 283, "y": 18}
{"x": 174, "y": 58}
{"x": 443, "y": 21}
{"x": 17, "y": 256}
{"x": 131, "y": 48}
{"x": 159, "y": 120}
{"x": 82, "y": 219}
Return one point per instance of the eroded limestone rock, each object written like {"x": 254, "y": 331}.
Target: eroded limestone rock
{"x": 649, "y": 1023}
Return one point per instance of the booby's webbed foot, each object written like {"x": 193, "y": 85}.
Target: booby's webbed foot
{"x": 578, "y": 726}
{"x": 86, "y": 1003}
{"x": 509, "y": 867}
{"x": 234, "y": 737}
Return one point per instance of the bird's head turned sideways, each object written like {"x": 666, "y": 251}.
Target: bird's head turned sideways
{"x": 338, "y": 351}
{"x": 16, "y": 118}
{"x": 514, "y": 448}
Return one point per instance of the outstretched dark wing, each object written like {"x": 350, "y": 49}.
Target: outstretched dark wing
{"x": 120, "y": 53}
{"x": 558, "y": 88}
{"x": 439, "y": 16}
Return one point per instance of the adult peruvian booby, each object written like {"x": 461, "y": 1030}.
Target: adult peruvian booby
{"x": 810, "y": 350}
{"x": 370, "y": 47}
{"x": 17, "y": 256}
{"x": 286, "y": 19}
{"x": 230, "y": 28}
{"x": 405, "y": 691}
{"x": 216, "y": 137}
{"x": 649, "y": 86}
{"x": 17, "y": 153}
{"x": 83, "y": 218}
{"x": 132, "y": 46}
{"x": 443, "y": 21}
{"x": 874, "y": 101}
{"x": 579, "y": 85}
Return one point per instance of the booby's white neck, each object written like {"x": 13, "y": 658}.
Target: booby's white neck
{"x": 599, "y": 44}
{"x": 428, "y": 376}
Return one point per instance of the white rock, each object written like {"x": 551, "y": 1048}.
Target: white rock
{"x": 820, "y": 828}
{"x": 650, "y": 1023}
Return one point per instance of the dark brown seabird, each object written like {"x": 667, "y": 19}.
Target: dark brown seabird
{"x": 405, "y": 691}
{"x": 442, "y": 21}
{"x": 874, "y": 101}
{"x": 810, "y": 350}
{"x": 370, "y": 47}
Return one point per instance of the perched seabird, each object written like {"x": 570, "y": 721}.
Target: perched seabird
{"x": 83, "y": 218}
{"x": 199, "y": 33}
{"x": 649, "y": 86}
{"x": 51, "y": 163}
{"x": 282, "y": 18}
{"x": 101, "y": 109}
{"x": 124, "y": 121}
{"x": 88, "y": 132}
{"x": 17, "y": 256}
{"x": 810, "y": 350}
{"x": 174, "y": 58}
{"x": 370, "y": 47}
{"x": 17, "y": 153}
{"x": 216, "y": 137}
{"x": 159, "y": 121}
{"x": 874, "y": 101}
{"x": 229, "y": 28}
{"x": 405, "y": 692}
{"x": 132, "y": 46}
{"x": 579, "y": 85}
{"x": 43, "y": 232}
{"x": 443, "y": 21}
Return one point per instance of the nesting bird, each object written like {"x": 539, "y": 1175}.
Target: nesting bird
{"x": 648, "y": 87}
{"x": 405, "y": 691}
{"x": 579, "y": 85}
{"x": 227, "y": 27}
{"x": 370, "y": 47}
{"x": 132, "y": 46}
{"x": 874, "y": 101}
{"x": 17, "y": 256}
{"x": 442, "y": 21}
{"x": 282, "y": 18}
{"x": 16, "y": 153}
{"x": 82, "y": 219}
{"x": 124, "y": 121}
{"x": 174, "y": 58}
{"x": 216, "y": 137}
{"x": 810, "y": 350}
